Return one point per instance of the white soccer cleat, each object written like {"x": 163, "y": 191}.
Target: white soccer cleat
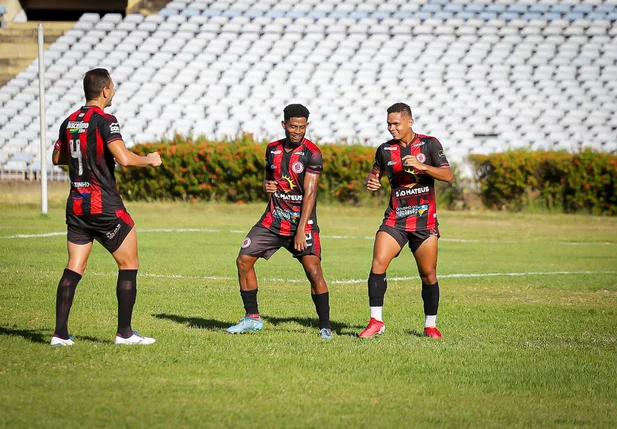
{"x": 59, "y": 342}
{"x": 134, "y": 340}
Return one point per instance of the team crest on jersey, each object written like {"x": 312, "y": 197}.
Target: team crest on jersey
{"x": 246, "y": 243}
{"x": 421, "y": 157}
{"x": 297, "y": 167}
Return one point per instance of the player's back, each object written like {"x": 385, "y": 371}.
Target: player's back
{"x": 84, "y": 135}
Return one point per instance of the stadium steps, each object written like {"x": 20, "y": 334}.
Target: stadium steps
{"x": 19, "y": 45}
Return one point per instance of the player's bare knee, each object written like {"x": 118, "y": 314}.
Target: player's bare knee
{"x": 243, "y": 263}
{"x": 429, "y": 279}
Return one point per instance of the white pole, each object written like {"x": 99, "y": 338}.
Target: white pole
{"x": 43, "y": 121}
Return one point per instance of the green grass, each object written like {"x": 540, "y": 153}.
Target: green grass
{"x": 527, "y": 350}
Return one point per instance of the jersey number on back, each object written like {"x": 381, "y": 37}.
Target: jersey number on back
{"x": 76, "y": 153}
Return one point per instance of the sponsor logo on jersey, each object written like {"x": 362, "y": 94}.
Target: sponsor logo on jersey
{"x": 288, "y": 197}
{"x": 297, "y": 167}
{"x": 290, "y": 216}
{"x": 403, "y": 212}
{"x": 421, "y": 157}
{"x": 273, "y": 167}
{"x": 390, "y": 148}
{"x": 418, "y": 144}
{"x": 409, "y": 192}
{"x": 390, "y": 163}
{"x": 114, "y": 128}
{"x": 246, "y": 243}
{"x": 291, "y": 183}
{"x": 80, "y": 184}
{"x": 275, "y": 152}
{"x": 75, "y": 127}
{"x": 299, "y": 153}
{"x": 441, "y": 153}
{"x": 422, "y": 209}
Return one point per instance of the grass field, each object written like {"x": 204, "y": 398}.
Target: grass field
{"x": 528, "y": 312}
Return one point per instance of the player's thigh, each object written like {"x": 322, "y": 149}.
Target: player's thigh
{"x": 126, "y": 255}
{"x": 260, "y": 242}
{"x": 385, "y": 249}
{"x": 426, "y": 257}
{"x": 78, "y": 256}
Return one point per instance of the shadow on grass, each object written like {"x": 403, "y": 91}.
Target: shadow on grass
{"x": 195, "y": 322}
{"x": 338, "y": 327}
{"x": 41, "y": 336}
{"x": 212, "y": 325}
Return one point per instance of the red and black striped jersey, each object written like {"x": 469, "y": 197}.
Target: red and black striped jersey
{"x": 84, "y": 135}
{"x": 412, "y": 199}
{"x": 288, "y": 169}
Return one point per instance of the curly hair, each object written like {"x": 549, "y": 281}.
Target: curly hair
{"x": 295, "y": 111}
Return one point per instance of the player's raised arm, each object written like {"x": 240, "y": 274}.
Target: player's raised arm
{"x": 126, "y": 158}
{"x": 308, "y": 203}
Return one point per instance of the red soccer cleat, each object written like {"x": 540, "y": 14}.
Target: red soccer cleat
{"x": 432, "y": 332}
{"x": 375, "y": 327}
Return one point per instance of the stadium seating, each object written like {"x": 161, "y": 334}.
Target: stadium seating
{"x": 481, "y": 76}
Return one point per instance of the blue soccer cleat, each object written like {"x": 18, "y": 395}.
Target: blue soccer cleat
{"x": 325, "y": 333}
{"x": 246, "y": 324}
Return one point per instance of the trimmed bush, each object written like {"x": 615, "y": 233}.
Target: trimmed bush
{"x": 233, "y": 171}
{"x": 582, "y": 182}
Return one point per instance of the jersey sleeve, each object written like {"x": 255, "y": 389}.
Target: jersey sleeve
{"x": 110, "y": 129}
{"x": 269, "y": 162}
{"x": 62, "y": 143}
{"x": 438, "y": 156}
{"x": 378, "y": 162}
{"x": 314, "y": 161}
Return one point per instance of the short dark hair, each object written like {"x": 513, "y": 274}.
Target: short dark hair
{"x": 295, "y": 111}
{"x": 94, "y": 82}
{"x": 400, "y": 108}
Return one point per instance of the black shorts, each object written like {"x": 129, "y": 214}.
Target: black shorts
{"x": 260, "y": 242}
{"x": 108, "y": 230}
{"x": 415, "y": 239}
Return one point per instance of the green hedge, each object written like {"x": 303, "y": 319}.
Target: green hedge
{"x": 583, "y": 182}
{"x": 233, "y": 171}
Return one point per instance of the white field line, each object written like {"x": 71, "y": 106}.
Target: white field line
{"x": 334, "y": 237}
{"x": 354, "y": 281}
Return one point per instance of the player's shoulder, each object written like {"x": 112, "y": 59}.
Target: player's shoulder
{"x": 390, "y": 145}
{"x": 426, "y": 139}
{"x": 311, "y": 146}
{"x": 275, "y": 143}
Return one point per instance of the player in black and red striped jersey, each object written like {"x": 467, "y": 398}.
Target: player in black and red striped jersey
{"x": 90, "y": 143}
{"x": 292, "y": 170}
{"x": 412, "y": 162}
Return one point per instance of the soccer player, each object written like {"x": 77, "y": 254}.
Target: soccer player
{"x": 292, "y": 168}
{"x": 412, "y": 162}
{"x": 90, "y": 143}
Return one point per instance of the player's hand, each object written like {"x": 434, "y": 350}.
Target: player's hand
{"x": 300, "y": 240}
{"x": 372, "y": 183}
{"x": 412, "y": 161}
{"x": 154, "y": 159}
{"x": 270, "y": 186}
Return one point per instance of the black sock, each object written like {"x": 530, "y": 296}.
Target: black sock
{"x": 249, "y": 299}
{"x": 322, "y": 305}
{"x": 64, "y": 300}
{"x": 377, "y": 286}
{"x": 430, "y": 296}
{"x": 126, "y": 292}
